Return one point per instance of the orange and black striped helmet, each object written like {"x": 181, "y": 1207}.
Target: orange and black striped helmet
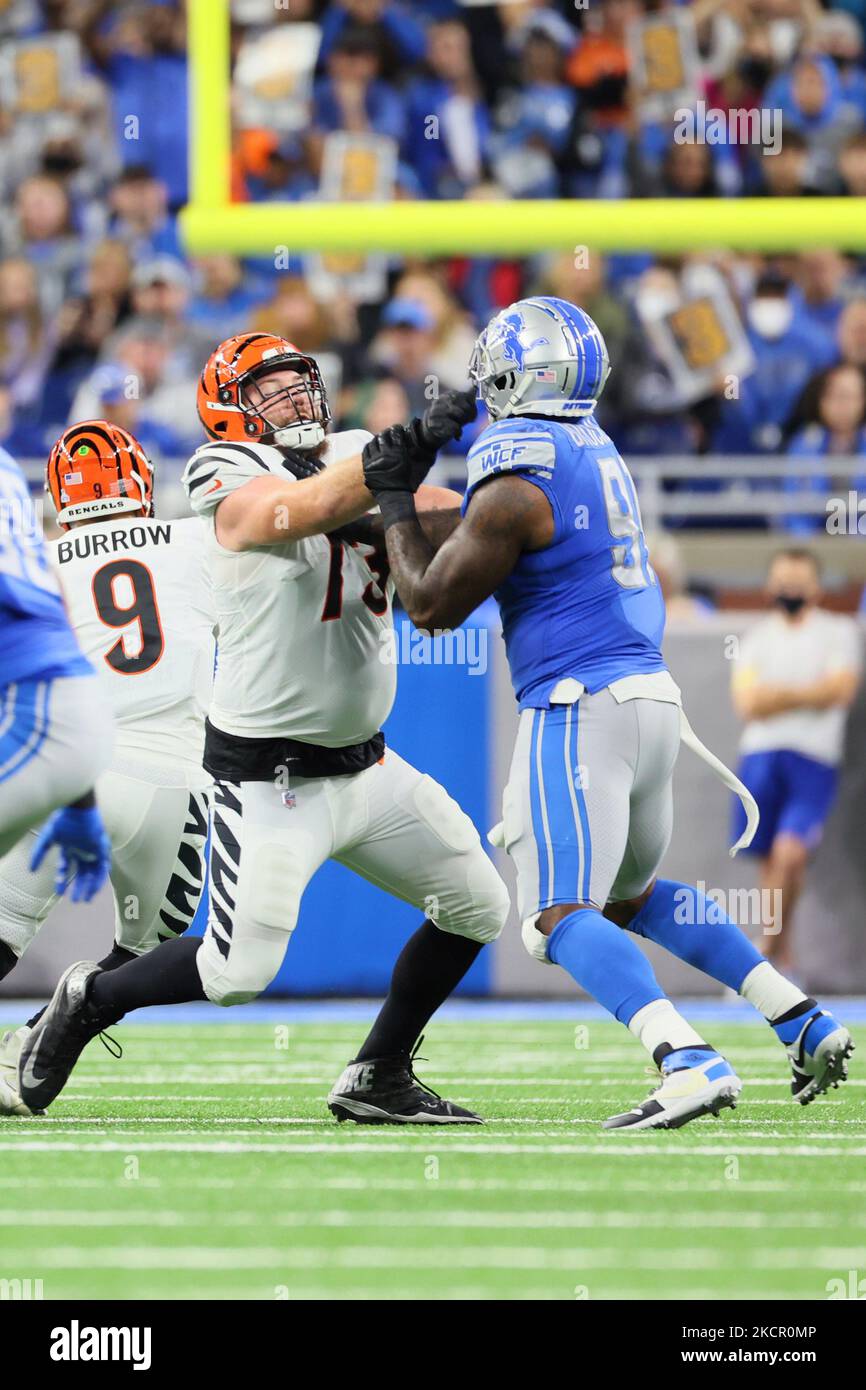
{"x": 224, "y": 406}
{"x": 98, "y": 469}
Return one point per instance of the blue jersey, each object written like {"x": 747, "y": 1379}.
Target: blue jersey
{"x": 589, "y": 605}
{"x": 36, "y": 639}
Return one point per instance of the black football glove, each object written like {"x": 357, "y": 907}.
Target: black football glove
{"x": 392, "y": 462}
{"x": 301, "y": 465}
{"x": 444, "y": 418}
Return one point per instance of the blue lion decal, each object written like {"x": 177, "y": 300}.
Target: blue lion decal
{"x": 508, "y": 340}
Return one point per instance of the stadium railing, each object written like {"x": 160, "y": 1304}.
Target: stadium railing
{"x": 684, "y": 491}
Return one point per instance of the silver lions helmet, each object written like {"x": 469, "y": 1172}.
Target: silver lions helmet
{"x": 540, "y": 356}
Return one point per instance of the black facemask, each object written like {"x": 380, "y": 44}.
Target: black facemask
{"x": 791, "y": 603}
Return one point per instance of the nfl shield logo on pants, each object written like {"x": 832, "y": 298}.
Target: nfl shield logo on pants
{"x": 289, "y": 800}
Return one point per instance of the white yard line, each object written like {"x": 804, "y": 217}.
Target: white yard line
{"x": 465, "y": 1220}
{"x": 603, "y": 1149}
{"x": 389, "y": 1257}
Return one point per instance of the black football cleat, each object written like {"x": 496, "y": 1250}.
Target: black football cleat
{"x": 386, "y": 1091}
{"x": 55, "y": 1043}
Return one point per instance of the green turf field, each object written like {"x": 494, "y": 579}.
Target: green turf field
{"x": 205, "y": 1165}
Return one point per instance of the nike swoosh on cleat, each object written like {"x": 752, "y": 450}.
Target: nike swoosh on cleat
{"x": 28, "y": 1072}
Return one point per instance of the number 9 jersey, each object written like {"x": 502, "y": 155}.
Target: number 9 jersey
{"x": 588, "y": 606}
{"x": 141, "y": 603}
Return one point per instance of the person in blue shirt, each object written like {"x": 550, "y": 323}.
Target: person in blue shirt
{"x": 55, "y": 726}
{"x": 552, "y": 528}
{"x": 352, "y": 96}
{"x": 838, "y": 431}
{"x": 788, "y": 348}
{"x": 448, "y": 125}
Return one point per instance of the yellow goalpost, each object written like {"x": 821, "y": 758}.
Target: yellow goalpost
{"x": 212, "y": 222}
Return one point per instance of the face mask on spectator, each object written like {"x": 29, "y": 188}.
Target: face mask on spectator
{"x": 656, "y": 304}
{"x": 755, "y": 71}
{"x": 770, "y": 317}
{"x": 791, "y": 604}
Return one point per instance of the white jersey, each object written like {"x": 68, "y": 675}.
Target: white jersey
{"x": 777, "y": 652}
{"x": 304, "y": 627}
{"x": 140, "y": 600}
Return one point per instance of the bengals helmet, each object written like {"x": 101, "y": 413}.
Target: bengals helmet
{"x": 96, "y": 469}
{"x": 224, "y": 406}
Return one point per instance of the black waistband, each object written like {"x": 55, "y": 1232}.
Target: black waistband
{"x": 229, "y": 758}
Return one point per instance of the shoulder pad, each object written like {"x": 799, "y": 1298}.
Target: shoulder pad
{"x": 512, "y": 446}
{"x": 219, "y": 468}
{"x": 346, "y": 443}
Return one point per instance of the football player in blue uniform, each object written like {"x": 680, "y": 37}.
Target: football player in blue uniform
{"x": 55, "y": 726}
{"x": 552, "y": 527}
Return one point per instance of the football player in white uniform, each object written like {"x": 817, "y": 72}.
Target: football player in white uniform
{"x": 293, "y": 740}
{"x": 140, "y": 600}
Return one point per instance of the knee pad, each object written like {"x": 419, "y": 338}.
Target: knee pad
{"x": 22, "y": 917}
{"x": 240, "y": 976}
{"x": 484, "y": 911}
{"x": 534, "y": 940}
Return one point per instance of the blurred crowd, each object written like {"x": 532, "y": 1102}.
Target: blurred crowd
{"x": 525, "y": 100}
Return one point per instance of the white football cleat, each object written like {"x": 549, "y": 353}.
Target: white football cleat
{"x": 10, "y": 1051}
{"x": 695, "y": 1081}
{"x": 818, "y": 1053}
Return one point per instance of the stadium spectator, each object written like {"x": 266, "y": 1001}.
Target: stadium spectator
{"x": 223, "y": 301}
{"x": 143, "y": 53}
{"x": 795, "y": 677}
{"x": 787, "y": 351}
{"x": 851, "y": 332}
{"x": 839, "y": 37}
{"x": 139, "y": 215}
{"x": 527, "y": 99}
{"x": 405, "y": 346}
{"x": 102, "y": 302}
{"x": 838, "y": 429}
{"x": 25, "y": 343}
{"x": 535, "y": 114}
{"x": 453, "y": 333}
{"x": 852, "y": 165}
{"x": 167, "y": 399}
{"x": 161, "y": 293}
{"x": 688, "y": 171}
{"x": 269, "y": 167}
{"x": 821, "y": 278}
{"x": 448, "y": 123}
{"x": 352, "y": 95}
{"x": 375, "y": 404}
{"x": 787, "y": 174}
{"x": 811, "y": 100}
{"x": 391, "y": 27}
{"x": 42, "y": 230}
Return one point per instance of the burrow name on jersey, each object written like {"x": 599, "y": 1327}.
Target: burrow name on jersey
{"x": 108, "y": 542}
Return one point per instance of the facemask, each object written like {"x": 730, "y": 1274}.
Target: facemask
{"x": 790, "y": 603}
{"x": 770, "y": 318}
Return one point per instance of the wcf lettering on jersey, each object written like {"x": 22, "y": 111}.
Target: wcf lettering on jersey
{"x": 502, "y": 454}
